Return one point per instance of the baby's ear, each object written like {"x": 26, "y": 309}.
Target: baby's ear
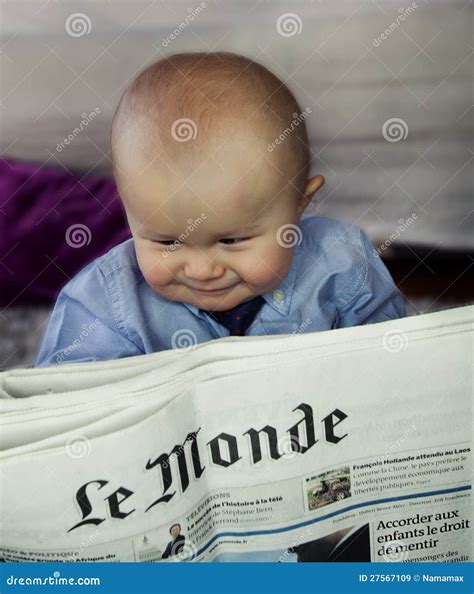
{"x": 312, "y": 186}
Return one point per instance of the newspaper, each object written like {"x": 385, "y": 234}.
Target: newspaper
{"x": 347, "y": 445}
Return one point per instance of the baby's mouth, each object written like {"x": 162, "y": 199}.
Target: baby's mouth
{"x": 213, "y": 291}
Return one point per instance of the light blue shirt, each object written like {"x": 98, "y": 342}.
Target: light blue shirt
{"x": 108, "y": 311}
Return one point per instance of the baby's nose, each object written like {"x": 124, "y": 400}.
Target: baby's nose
{"x": 203, "y": 269}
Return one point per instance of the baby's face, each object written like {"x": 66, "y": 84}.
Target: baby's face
{"x": 210, "y": 234}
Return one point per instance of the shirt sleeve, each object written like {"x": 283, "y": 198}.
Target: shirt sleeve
{"x": 370, "y": 295}
{"x": 82, "y": 326}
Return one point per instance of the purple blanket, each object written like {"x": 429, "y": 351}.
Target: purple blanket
{"x": 52, "y": 224}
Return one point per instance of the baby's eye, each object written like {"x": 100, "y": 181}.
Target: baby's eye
{"x": 166, "y": 241}
{"x": 233, "y": 240}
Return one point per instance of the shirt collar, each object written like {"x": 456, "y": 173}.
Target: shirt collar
{"x": 279, "y": 299}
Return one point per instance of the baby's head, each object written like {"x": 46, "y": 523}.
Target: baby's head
{"x": 207, "y": 190}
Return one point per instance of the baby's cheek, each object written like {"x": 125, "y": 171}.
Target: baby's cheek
{"x": 270, "y": 268}
{"x": 156, "y": 269}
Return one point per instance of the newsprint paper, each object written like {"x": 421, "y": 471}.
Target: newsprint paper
{"x": 347, "y": 445}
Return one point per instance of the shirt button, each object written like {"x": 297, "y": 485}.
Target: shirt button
{"x": 278, "y": 295}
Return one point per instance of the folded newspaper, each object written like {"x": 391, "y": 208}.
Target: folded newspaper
{"x": 347, "y": 445}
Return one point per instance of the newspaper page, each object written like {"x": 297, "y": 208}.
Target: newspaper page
{"x": 349, "y": 445}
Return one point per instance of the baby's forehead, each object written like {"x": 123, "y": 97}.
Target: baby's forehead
{"x": 238, "y": 176}
{"x": 214, "y": 205}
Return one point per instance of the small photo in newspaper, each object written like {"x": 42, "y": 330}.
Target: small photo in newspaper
{"x": 157, "y": 546}
{"x": 328, "y": 487}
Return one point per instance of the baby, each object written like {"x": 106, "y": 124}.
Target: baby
{"x": 211, "y": 158}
